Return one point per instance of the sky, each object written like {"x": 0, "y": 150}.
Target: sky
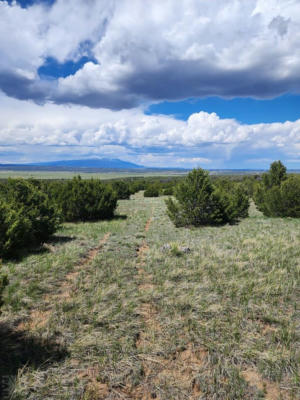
{"x": 189, "y": 83}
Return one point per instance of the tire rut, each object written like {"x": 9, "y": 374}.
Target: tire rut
{"x": 183, "y": 365}
{"x": 39, "y": 318}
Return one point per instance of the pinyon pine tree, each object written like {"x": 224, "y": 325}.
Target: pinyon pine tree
{"x": 200, "y": 203}
{"x": 278, "y": 195}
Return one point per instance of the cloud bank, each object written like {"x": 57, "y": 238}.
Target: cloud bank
{"x": 147, "y": 50}
{"x": 33, "y": 132}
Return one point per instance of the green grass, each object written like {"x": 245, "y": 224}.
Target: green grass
{"x": 222, "y": 324}
{"x": 4, "y": 174}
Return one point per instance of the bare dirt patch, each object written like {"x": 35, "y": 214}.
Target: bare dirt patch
{"x": 148, "y": 223}
{"x": 268, "y": 329}
{"x": 271, "y": 389}
{"x": 38, "y": 319}
{"x": 178, "y": 372}
{"x": 94, "y": 389}
{"x": 146, "y": 286}
{"x": 141, "y": 253}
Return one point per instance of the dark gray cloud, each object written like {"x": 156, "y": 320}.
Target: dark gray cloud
{"x": 151, "y": 50}
{"x": 175, "y": 81}
{"x": 184, "y": 79}
{"x": 114, "y": 101}
{"x": 280, "y": 25}
{"x": 23, "y": 88}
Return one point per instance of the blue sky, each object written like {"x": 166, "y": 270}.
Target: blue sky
{"x": 52, "y": 69}
{"x": 245, "y": 110}
{"x": 28, "y": 3}
{"x": 182, "y": 84}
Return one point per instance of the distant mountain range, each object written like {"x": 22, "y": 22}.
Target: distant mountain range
{"x": 91, "y": 163}
{"x": 95, "y": 163}
{"x": 113, "y": 164}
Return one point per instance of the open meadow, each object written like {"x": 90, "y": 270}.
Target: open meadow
{"x": 134, "y": 308}
{"x": 103, "y": 175}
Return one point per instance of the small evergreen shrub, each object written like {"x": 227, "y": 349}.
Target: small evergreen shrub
{"x": 248, "y": 184}
{"x": 151, "y": 191}
{"x": 168, "y": 191}
{"x": 137, "y": 185}
{"x": 198, "y": 202}
{"x": 84, "y": 200}
{"x": 122, "y": 190}
{"x": 15, "y": 229}
{"x": 278, "y": 195}
{"x": 275, "y": 176}
{"x": 27, "y": 217}
{"x": 235, "y": 202}
{"x": 37, "y": 207}
{"x": 290, "y": 197}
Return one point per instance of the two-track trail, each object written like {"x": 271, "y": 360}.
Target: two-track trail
{"x": 181, "y": 366}
{"x": 39, "y": 317}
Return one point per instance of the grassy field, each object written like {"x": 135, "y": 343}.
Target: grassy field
{"x": 4, "y": 174}
{"x": 134, "y": 308}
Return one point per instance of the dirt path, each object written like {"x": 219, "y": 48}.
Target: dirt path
{"x": 156, "y": 369}
{"x": 67, "y": 286}
{"x": 39, "y": 318}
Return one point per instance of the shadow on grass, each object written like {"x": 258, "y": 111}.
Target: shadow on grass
{"x": 95, "y": 221}
{"x": 20, "y": 349}
{"x": 120, "y": 216}
{"x": 60, "y": 239}
{"x": 22, "y": 253}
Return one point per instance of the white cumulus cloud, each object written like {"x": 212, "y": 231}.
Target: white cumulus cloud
{"x": 72, "y": 131}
